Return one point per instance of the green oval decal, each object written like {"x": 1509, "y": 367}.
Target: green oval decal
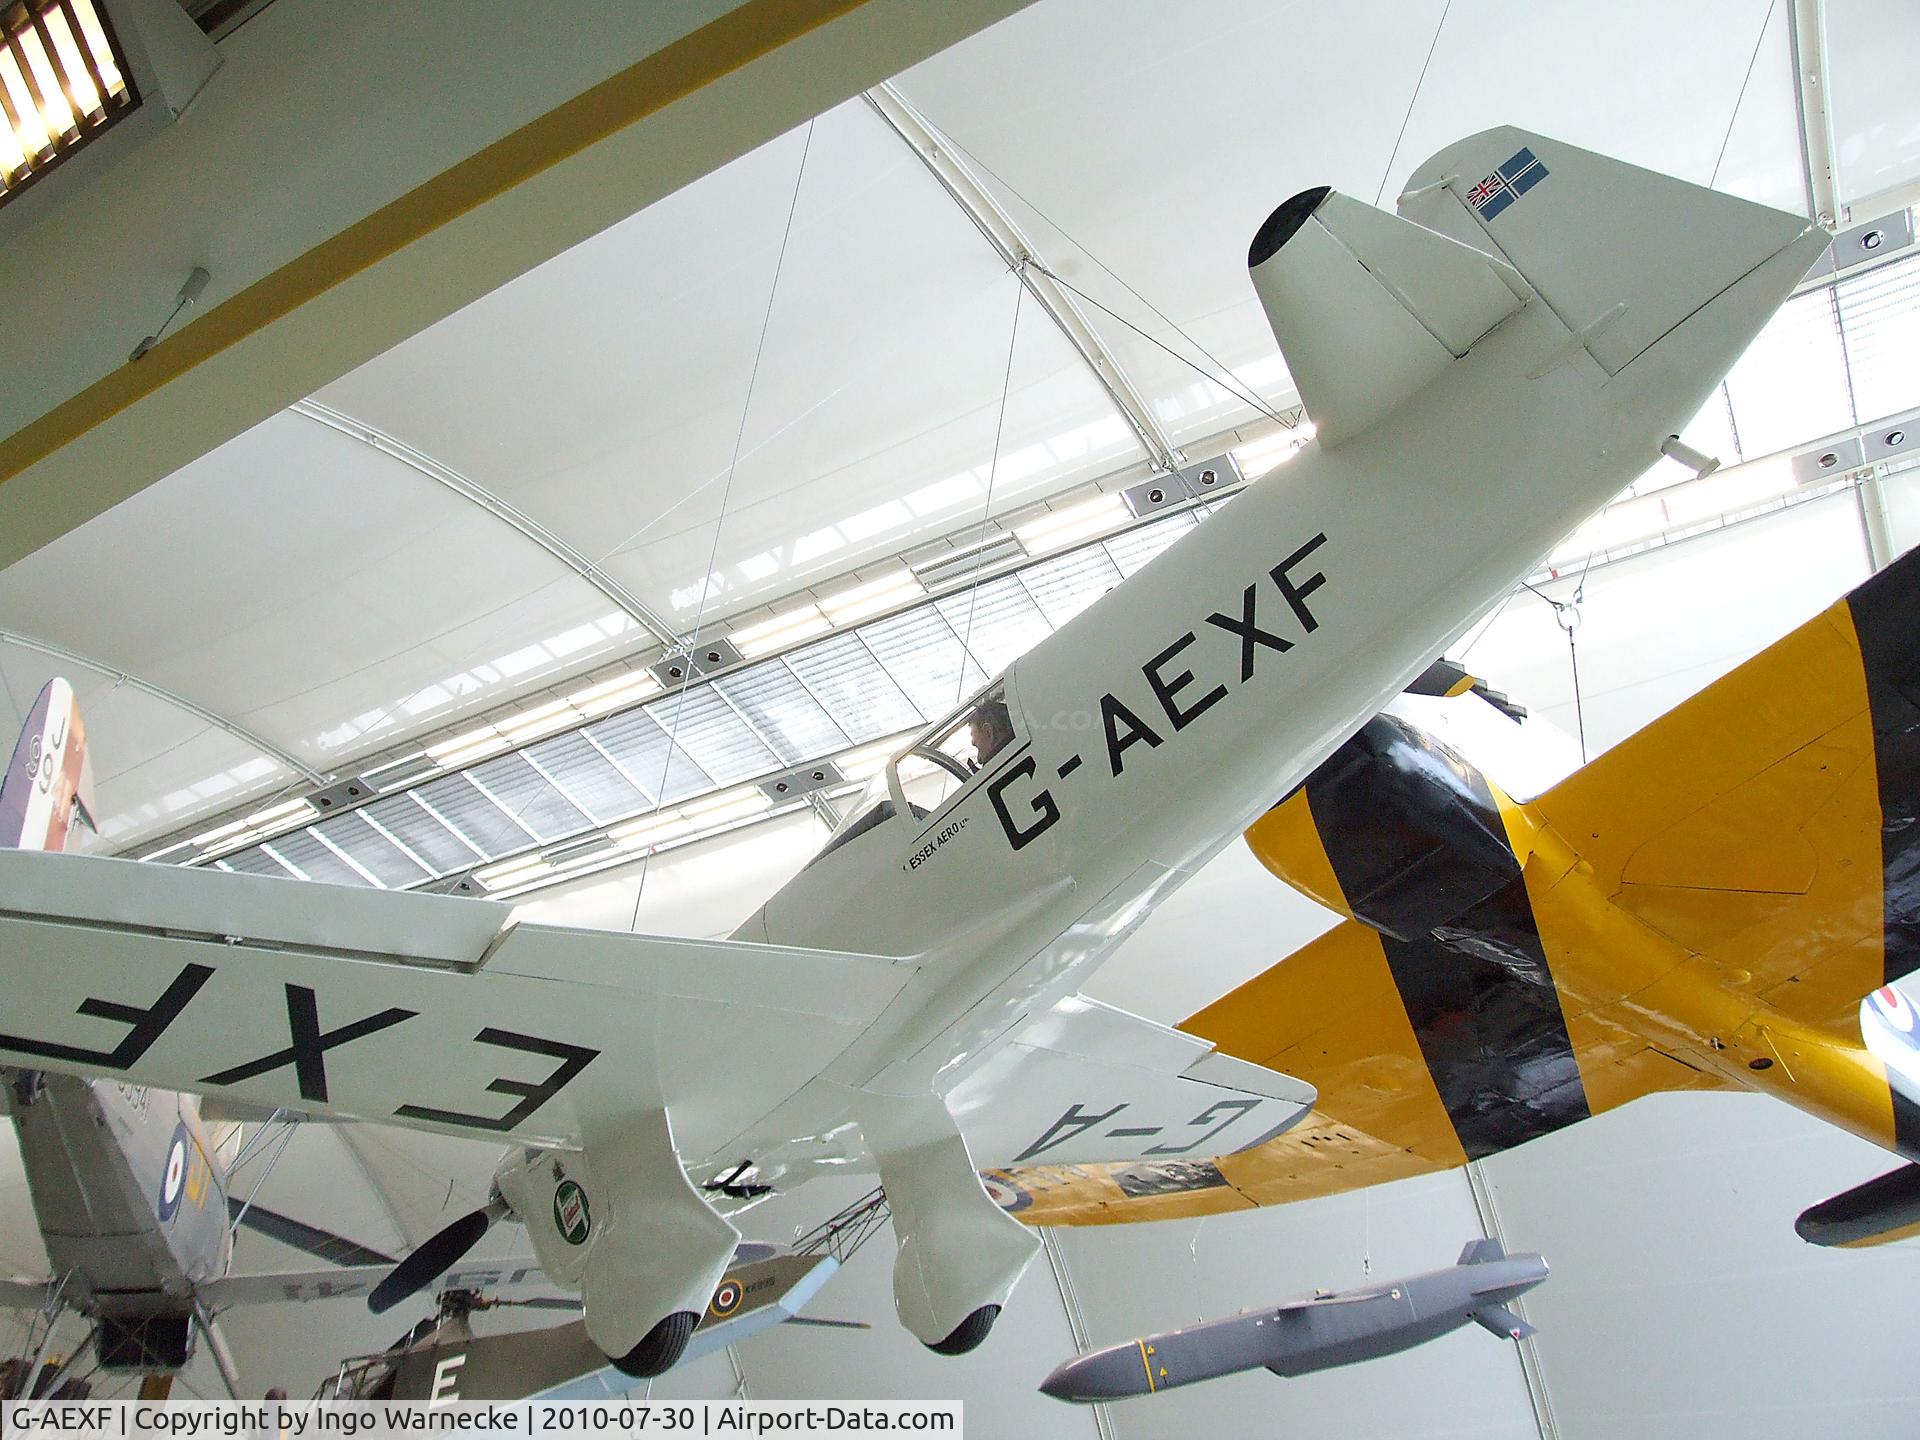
{"x": 570, "y": 1215}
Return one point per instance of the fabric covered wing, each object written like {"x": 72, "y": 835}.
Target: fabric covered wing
{"x": 423, "y": 1011}
{"x": 1087, "y": 1083}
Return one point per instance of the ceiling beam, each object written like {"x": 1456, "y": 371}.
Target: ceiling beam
{"x": 1807, "y": 31}
{"x": 170, "y": 697}
{"x": 1003, "y": 232}
{"x": 341, "y": 207}
{"x": 636, "y": 609}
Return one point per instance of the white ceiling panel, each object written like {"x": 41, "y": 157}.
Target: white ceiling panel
{"x": 313, "y": 588}
{"x": 1145, "y": 142}
{"x": 603, "y": 393}
{"x": 156, "y": 768}
{"x": 1873, "y": 55}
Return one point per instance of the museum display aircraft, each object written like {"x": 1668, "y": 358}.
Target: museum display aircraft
{"x": 1723, "y": 901}
{"x": 129, "y": 1191}
{"x": 1484, "y": 368}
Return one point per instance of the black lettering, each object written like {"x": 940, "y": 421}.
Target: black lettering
{"x": 573, "y": 1059}
{"x": 1297, "y": 593}
{"x": 1042, "y": 803}
{"x": 307, "y": 1052}
{"x": 1233, "y": 1109}
{"x": 1250, "y": 633}
{"x": 1074, "y": 1123}
{"x": 1137, "y": 731}
{"x": 148, "y": 1024}
{"x": 1166, "y": 690}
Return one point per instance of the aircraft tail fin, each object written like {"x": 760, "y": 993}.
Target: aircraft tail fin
{"x": 1369, "y": 307}
{"x": 1580, "y": 226}
{"x": 1482, "y": 1252}
{"x": 49, "y": 780}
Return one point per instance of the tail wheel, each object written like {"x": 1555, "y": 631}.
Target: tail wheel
{"x": 968, "y": 1334}
{"x": 661, "y": 1347}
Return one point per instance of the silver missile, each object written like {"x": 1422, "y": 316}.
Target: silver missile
{"x": 1314, "y": 1334}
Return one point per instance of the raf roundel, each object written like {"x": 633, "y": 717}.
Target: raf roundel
{"x": 726, "y": 1298}
{"x": 173, "y": 1179}
{"x": 1894, "y": 1009}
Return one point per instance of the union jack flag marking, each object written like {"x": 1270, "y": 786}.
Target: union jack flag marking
{"x": 1506, "y": 185}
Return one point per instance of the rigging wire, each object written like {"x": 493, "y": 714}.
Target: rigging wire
{"x": 1406, "y": 119}
{"x": 1242, "y": 392}
{"x": 1566, "y": 614}
{"x": 986, "y": 509}
{"x": 1740, "y": 99}
{"x": 726, "y": 493}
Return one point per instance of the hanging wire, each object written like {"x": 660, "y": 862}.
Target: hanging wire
{"x": 719, "y": 524}
{"x": 1406, "y": 119}
{"x": 1237, "y": 388}
{"x": 1740, "y": 99}
{"x": 986, "y": 509}
{"x": 1566, "y": 614}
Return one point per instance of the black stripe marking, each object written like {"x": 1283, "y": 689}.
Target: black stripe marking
{"x": 1886, "y": 616}
{"x": 1415, "y": 838}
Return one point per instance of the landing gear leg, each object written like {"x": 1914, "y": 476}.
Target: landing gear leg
{"x": 960, "y": 1254}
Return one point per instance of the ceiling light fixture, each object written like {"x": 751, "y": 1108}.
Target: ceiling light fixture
{"x": 863, "y": 601}
{"x": 789, "y": 627}
{"x": 62, "y": 82}
{"x": 1057, "y": 529}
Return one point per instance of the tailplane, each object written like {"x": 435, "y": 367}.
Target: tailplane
{"x": 49, "y": 781}
{"x": 1369, "y": 308}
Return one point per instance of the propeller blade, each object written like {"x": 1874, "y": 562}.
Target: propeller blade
{"x": 435, "y": 1256}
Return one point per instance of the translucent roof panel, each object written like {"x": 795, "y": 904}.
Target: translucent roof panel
{"x": 1873, "y": 54}
{"x": 636, "y": 743}
{"x": 1791, "y": 385}
{"x": 783, "y": 712}
{"x": 423, "y": 833}
{"x": 704, "y": 725}
{"x": 920, "y": 650}
{"x": 372, "y": 851}
{"x": 1880, "y": 313}
{"x": 474, "y": 816}
{"x": 529, "y": 797}
{"x": 309, "y": 857}
{"x": 590, "y": 779}
{"x": 998, "y": 620}
{"x": 1066, "y": 584}
{"x": 865, "y": 701}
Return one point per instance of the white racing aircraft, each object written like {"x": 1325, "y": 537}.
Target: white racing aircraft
{"x": 1485, "y": 368}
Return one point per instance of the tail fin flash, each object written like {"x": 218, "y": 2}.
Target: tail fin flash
{"x": 1581, "y": 227}
{"x": 1368, "y": 307}
{"x": 49, "y": 781}
{"x": 1482, "y": 1252}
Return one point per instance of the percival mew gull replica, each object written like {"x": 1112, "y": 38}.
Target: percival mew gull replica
{"x": 1484, "y": 369}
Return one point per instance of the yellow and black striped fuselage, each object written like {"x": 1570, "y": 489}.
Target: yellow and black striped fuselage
{"x": 1702, "y": 908}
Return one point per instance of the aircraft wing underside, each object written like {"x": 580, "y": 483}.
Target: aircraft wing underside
{"x": 409, "y": 1009}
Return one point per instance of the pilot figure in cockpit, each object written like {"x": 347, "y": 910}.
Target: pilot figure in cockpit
{"x": 992, "y": 726}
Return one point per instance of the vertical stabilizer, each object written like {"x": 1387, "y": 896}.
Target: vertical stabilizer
{"x": 49, "y": 780}
{"x": 1482, "y": 1252}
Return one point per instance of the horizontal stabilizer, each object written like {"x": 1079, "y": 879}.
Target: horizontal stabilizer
{"x": 1368, "y": 307}
{"x": 1884, "y": 1209}
{"x": 1578, "y": 227}
{"x": 1498, "y": 1320}
{"x": 271, "y": 1289}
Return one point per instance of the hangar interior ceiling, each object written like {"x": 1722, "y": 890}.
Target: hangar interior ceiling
{"x": 801, "y": 407}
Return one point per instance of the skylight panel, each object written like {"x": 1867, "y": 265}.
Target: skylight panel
{"x": 475, "y": 817}
{"x": 529, "y": 797}
{"x": 999, "y": 621}
{"x": 372, "y": 851}
{"x": 923, "y": 655}
{"x": 591, "y": 780}
{"x": 639, "y": 746}
{"x": 779, "y": 707}
{"x": 1132, "y": 550}
{"x": 713, "y": 733}
{"x": 855, "y": 688}
{"x": 314, "y": 860}
{"x": 423, "y": 834}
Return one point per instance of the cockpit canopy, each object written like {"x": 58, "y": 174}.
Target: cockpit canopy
{"x": 934, "y": 768}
